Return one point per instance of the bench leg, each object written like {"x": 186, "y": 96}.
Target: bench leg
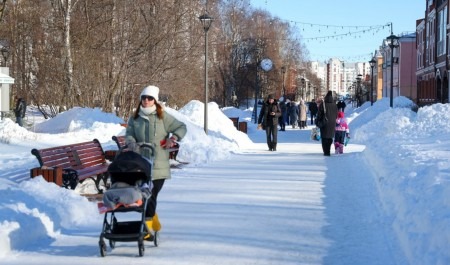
{"x": 70, "y": 179}
{"x": 101, "y": 178}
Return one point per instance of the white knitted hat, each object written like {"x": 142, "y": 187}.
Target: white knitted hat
{"x": 151, "y": 91}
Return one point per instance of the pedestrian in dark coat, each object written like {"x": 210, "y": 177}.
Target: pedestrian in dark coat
{"x": 268, "y": 119}
{"x": 312, "y": 110}
{"x": 341, "y": 105}
{"x": 20, "y": 110}
{"x": 327, "y": 132}
{"x": 282, "y": 119}
{"x": 293, "y": 113}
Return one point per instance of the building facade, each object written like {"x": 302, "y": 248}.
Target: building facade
{"x": 433, "y": 55}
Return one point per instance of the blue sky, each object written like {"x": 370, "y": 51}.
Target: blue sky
{"x": 312, "y": 18}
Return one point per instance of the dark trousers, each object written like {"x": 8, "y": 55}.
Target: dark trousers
{"x": 312, "y": 118}
{"x": 282, "y": 123}
{"x": 19, "y": 121}
{"x": 326, "y": 145}
{"x": 271, "y": 134}
{"x": 151, "y": 204}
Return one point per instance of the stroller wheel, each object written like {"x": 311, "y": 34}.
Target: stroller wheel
{"x": 141, "y": 248}
{"x": 102, "y": 246}
{"x": 112, "y": 243}
{"x": 156, "y": 238}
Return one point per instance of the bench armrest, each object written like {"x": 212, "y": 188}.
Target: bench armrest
{"x": 54, "y": 175}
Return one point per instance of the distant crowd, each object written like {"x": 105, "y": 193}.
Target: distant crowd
{"x": 276, "y": 114}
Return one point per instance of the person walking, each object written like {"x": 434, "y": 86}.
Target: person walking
{"x": 282, "y": 118}
{"x": 293, "y": 113}
{"x": 341, "y": 132}
{"x": 20, "y": 110}
{"x": 312, "y": 111}
{"x": 327, "y": 109}
{"x": 153, "y": 125}
{"x": 268, "y": 119}
{"x": 341, "y": 105}
{"x": 302, "y": 116}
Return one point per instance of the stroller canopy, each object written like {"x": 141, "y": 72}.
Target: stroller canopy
{"x": 130, "y": 167}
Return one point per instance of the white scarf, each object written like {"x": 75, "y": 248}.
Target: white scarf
{"x": 147, "y": 111}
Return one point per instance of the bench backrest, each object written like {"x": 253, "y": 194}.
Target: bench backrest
{"x": 87, "y": 154}
{"x": 75, "y": 156}
{"x": 54, "y": 157}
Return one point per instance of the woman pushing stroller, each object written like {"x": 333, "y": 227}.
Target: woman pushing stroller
{"x": 153, "y": 125}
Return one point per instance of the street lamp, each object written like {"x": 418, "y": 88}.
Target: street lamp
{"x": 283, "y": 71}
{"x": 358, "y": 90}
{"x": 303, "y": 86}
{"x": 393, "y": 43}
{"x": 206, "y": 22}
{"x": 372, "y": 65}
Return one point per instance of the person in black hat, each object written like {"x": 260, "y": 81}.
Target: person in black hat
{"x": 268, "y": 119}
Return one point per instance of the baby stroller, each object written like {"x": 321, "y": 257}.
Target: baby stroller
{"x": 130, "y": 191}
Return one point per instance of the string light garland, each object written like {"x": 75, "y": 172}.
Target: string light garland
{"x": 334, "y": 33}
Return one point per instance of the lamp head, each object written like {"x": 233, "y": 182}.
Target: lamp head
{"x": 206, "y": 21}
{"x": 392, "y": 41}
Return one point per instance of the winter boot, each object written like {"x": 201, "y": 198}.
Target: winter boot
{"x": 149, "y": 224}
{"x": 336, "y": 147}
{"x": 341, "y": 148}
{"x": 156, "y": 226}
{"x": 274, "y": 147}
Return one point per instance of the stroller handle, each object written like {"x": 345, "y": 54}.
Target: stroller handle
{"x": 137, "y": 147}
{"x": 147, "y": 145}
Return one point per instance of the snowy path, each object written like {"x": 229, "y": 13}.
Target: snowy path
{"x": 293, "y": 206}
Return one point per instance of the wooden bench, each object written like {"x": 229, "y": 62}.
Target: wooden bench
{"x": 71, "y": 164}
{"x": 120, "y": 141}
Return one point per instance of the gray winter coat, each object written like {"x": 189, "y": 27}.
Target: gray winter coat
{"x": 150, "y": 129}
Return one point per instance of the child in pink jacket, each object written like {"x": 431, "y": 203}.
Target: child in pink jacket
{"x": 341, "y": 132}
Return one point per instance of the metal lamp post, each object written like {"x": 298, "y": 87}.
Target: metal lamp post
{"x": 393, "y": 43}
{"x": 206, "y": 22}
{"x": 303, "y": 86}
{"x": 283, "y": 71}
{"x": 372, "y": 65}
{"x": 358, "y": 90}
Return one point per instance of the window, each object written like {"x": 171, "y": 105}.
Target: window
{"x": 441, "y": 30}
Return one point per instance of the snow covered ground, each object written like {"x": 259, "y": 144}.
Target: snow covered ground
{"x": 385, "y": 201}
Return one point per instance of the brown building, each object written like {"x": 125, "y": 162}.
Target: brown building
{"x": 433, "y": 53}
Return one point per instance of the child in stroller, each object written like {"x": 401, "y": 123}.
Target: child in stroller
{"x": 130, "y": 189}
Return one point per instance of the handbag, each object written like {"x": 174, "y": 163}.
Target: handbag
{"x": 322, "y": 120}
{"x": 315, "y": 134}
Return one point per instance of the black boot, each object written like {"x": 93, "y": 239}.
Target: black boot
{"x": 274, "y": 147}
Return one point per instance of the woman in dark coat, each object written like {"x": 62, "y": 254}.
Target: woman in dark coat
{"x": 268, "y": 118}
{"x": 327, "y": 132}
